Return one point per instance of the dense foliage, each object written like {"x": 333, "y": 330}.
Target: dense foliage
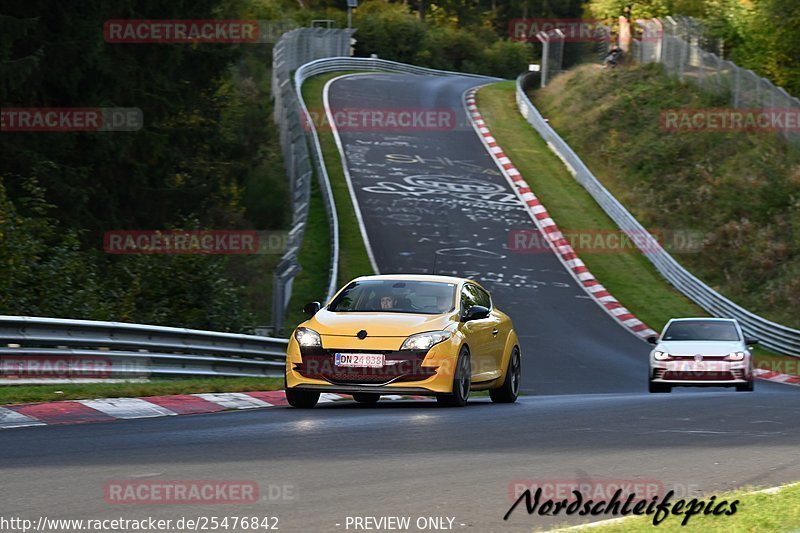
{"x": 762, "y": 35}
{"x": 205, "y": 158}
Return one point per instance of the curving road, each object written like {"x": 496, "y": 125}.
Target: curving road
{"x": 585, "y": 415}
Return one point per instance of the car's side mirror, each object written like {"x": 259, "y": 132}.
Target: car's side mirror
{"x": 652, "y": 339}
{"x": 751, "y": 341}
{"x": 476, "y": 312}
{"x": 311, "y": 308}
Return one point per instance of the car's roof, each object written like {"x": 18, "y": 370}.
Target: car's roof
{"x": 415, "y": 277}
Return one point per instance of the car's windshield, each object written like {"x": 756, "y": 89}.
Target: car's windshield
{"x": 701, "y": 330}
{"x": 396, "y": 296}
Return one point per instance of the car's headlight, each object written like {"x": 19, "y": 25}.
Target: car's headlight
{"x": 307, "y": 338}
{"x": 424, "y": 341}
{"x": 660, "y": 356}
{"x": 736, "y": 356}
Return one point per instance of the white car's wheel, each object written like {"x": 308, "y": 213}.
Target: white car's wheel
{"x": 659, "y": 388}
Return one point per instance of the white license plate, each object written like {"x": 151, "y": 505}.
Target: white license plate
{"x": 369, "y": 360}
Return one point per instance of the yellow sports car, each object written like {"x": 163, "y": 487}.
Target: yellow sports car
{"x": 404, "y": 334}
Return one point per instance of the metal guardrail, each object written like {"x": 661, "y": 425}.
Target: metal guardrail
{"x": 772, "y": 335}
{"x": 34, "y": 346}
{"x": 295, "y": 48}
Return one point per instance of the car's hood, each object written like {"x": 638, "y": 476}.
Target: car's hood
{"x": 700, "y": 347}
{"x": 376, "y": 324}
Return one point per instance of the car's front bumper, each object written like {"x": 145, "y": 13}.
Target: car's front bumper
{"x": 414, "y": 372}
{"x": 355, "y": 389}
{"x": 702, "y": 373}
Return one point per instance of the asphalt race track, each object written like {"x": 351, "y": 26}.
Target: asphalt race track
{"x": 586, "y": 414}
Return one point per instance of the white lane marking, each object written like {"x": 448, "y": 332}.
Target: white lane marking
{"x": 233, "y": 400}
{"x": 13, "y": 419}
{"x": 326, "y": 397}
{"x": 127, "y": 407}
{"x": 572, "y": 263}
{"x": 346, "y": 169}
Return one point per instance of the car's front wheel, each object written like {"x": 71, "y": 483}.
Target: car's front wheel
{"x": 462, "y": 381}
{"x": 746, "y": 387}
{"x": 659, "y": 387}
{"x": 509, "y": 390}
{"x": 366, "y": 397}
{"x": 302, "y": 399}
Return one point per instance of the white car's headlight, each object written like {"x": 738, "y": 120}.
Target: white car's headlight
{"x": 424, "y": 341}
{"x": 660, "y": 356}
{"x": 307, "y": 338}
{"x": 736, "y": 356}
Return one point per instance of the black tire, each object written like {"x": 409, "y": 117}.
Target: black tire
{"x": 657, "y": 388}
{"x": 302, "y": 399}
{"x": 462, "y": 380}
{"x": 366, "y": 397}
{"x": 746, "y": 387}
{"x": 508, "y": 392}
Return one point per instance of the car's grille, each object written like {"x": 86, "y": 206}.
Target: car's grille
{"x": 400, "y": 367}
{"x": 688, "y": 375}
{"x": 691, "y": 357}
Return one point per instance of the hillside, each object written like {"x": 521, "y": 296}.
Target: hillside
{"x": 738, "y": 192}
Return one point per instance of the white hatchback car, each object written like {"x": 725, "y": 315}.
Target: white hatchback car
{"x": 701, "y": 352}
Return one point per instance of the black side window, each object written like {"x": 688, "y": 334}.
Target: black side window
{"x": 483, "y": 298}
{"x": 469, "y": 297}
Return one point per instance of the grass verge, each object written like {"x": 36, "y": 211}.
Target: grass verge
{"x": 353, "y": 259}
{"x": 85, "y": 391}
{"x": 755, "y": 512}
{"x": 629, "y": 276}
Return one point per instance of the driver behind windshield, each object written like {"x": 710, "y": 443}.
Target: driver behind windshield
{"x": 388, "y": 302}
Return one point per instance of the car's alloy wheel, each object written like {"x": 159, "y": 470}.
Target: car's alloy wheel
{"x": 659, "y": 387}
{"x": 462, "y": 381}
{"x": 509, "y": 390}
{"x": 302, "y": 399}
{"x": 366, "y": 397}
